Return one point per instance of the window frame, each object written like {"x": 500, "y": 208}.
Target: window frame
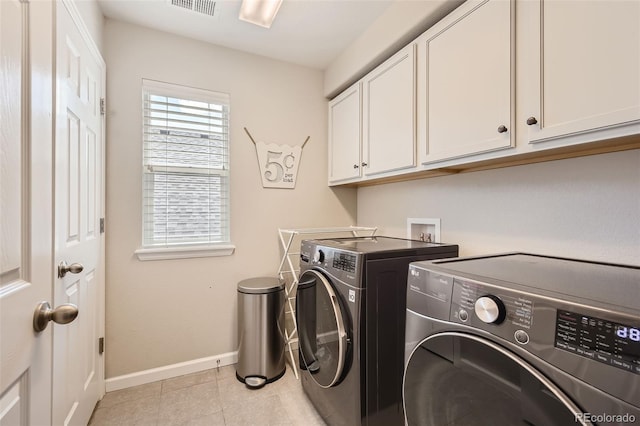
{"x": 184, "y": 249}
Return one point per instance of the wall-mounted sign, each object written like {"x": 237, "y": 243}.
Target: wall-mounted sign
{"x": 278, "y": 163}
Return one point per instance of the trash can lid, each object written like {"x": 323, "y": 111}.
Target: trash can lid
{"x": 260, "y": 285}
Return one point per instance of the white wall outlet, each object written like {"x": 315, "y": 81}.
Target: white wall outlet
{"x": 423, "y": 229}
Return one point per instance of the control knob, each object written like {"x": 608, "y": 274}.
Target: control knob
{"x": 318, "y": 257}
{"x": 490, "y": 309}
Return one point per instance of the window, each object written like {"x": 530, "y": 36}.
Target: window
{"x": 185, "y": 172}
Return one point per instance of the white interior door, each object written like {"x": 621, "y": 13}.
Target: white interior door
{"x": 25, "y": 210}
{"x": 78, "y": 380}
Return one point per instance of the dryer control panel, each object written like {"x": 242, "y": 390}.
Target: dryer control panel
{"x": 514, "y": 309}
{"x": 604, "y": 341}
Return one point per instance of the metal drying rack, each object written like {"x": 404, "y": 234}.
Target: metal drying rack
{"x": 288, "y": 270}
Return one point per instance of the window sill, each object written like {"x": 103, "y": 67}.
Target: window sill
{"x": 168, "y": 253}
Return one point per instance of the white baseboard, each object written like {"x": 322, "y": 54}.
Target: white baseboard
{"x": 170, "y": 371}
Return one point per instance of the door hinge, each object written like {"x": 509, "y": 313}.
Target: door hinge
{"x": 102, "y": 106}
{"x": 101, "y": 345}
{"x": 102, "y": 225}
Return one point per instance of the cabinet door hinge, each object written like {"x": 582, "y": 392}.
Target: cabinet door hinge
{"x": 102, "y": 106}
{"x": 101, "y": 345}
{"x": 102, "y": 225}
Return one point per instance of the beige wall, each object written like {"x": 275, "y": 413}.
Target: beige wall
{"x": 583, "y": 207}
{"x": 164, "y": 312}
{"x": 396, "y": 27}
{"x": 93, "y": 20}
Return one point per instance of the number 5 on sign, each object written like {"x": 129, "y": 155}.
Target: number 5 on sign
{"x": 278, "y": 163}
{"x": 279, "y": 166}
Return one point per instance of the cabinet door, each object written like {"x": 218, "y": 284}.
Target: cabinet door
{"x": 586, "y": 81}
{"x": 344, "y": 135}
{"x": 466, "y": 81}
{"x": 389, "y": 110}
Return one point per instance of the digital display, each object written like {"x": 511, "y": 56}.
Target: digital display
{"x": 608, "y": 342}
{"x": 630, "y": 333}
{"x": 346, "y": 262}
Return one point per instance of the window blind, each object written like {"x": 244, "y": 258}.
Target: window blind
{"x": 185, "y": 166}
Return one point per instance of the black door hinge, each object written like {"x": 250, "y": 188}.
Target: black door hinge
{"x": 101, "y": 345}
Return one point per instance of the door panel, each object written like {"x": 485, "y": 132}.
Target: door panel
{"x": 14, "y": 403}
{"x": 25, "y": 210}
{"x": 344, "y": 135}
{"x": 467, "y": 81}
{"x": 589, "y": 62}
{"x": 321, "y": 329}
{"x": 77, "y": 380}
{"x": 12, "y": 137}
{"x": 477, "y": 379}
{"x": 389, "y": 110}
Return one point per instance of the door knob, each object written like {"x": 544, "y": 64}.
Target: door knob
{"x": 502, "y": 129}
{"x": 62, "y": 314}
{"x": 531, "y": 121}
{"x": 74, "y": 268}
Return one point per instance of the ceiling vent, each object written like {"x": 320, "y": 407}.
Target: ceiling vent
{"x": 206, "y": 7}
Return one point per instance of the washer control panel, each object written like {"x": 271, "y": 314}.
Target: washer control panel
{"x": 340, "y": 264}
{"x": 344, "y": 261}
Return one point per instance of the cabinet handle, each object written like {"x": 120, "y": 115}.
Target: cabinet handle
{"x": 355, "y": 166}
{"x": 502, "y": 129}
{"x": 531, "y": 121}
{"x": 364, "y": 164}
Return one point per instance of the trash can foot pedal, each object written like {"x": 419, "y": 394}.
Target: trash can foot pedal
{"x": 255, "y": 382}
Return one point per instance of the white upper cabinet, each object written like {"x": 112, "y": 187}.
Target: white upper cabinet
{"x": 583, "y": 82}
{"x": 389, "y": 115}
{"x": 345, "y": 135}
{"x": 495, "y": 82}
{"x": 466, "y": 74}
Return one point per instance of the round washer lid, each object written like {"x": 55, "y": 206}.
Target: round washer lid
{"x": 261, "y": 285}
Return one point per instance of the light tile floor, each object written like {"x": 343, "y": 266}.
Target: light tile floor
{"x": 212, "y": 397}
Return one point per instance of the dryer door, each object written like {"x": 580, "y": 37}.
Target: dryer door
{"x": 460, "y": 379}
{"x": 322, "y": 334}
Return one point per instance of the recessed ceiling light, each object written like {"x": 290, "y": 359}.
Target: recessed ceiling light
{"x": 259, "y": 12}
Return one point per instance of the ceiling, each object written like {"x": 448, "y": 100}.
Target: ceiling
{"x": 305, "y": 32}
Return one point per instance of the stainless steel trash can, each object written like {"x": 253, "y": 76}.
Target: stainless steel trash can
{"x": 260, "y": 331}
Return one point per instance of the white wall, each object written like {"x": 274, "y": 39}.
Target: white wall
{"x": 165, "y": 312}
{"x": 585, "y": 207}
